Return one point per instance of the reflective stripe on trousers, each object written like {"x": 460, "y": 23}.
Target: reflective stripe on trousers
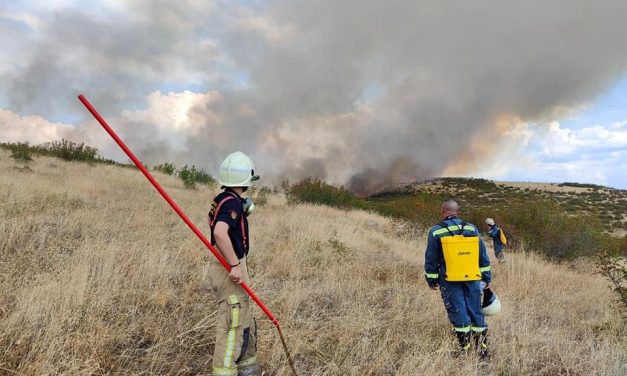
{"x": 236, "y": 334}
{"x": 230, "y": 342}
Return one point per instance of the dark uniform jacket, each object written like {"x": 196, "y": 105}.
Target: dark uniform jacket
{"x": 435, "y": 267}
{"x": 227, "y": 207}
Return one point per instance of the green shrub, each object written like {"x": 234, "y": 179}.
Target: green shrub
{"x": 69, "y": 150}
{"x": 261, "y": 197}
{"x": 21, "y": 152}
{"x": 192, "y": 175}
{"x": 205, "y": 178}
{"x": 612, "y": 265}
{"x": 545, "y": 227}
{"x": 422, "y": 208}
{"x": 166, "y": 168}
{"x": 580, "y": 185}
{"x": 318, "y": 192}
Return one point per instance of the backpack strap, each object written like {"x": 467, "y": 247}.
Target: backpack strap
{"x": 444, "y": 225}
{"x": 212, "y": 221}
{"x": 461, "y": 226}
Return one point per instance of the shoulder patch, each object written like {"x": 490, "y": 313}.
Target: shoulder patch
{"x": 233, "y": 214}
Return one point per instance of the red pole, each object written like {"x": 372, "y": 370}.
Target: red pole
{"x": 174, "y": 206}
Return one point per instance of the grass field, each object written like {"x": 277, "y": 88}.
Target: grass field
{"x": 98, "y": 276}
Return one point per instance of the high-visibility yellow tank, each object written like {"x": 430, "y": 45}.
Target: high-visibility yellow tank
{"x": 461, "y": 256}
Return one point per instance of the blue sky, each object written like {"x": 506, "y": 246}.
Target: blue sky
{"x": 608, "y": 108}
{"x": 580, "y": 149}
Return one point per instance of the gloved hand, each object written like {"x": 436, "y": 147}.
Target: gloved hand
{"x": 432, "y": 282}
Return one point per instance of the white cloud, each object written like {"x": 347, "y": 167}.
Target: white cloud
{"x": 32, "y": 129}
{"x": 552, "y": 153}
{"x": 170, "y": 118}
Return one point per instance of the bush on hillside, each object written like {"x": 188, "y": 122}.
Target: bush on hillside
{"x": 64, "y": 149}
{"x": 21, "y": 152}
{"x": 544, "y": 226}
{"x": 422, "y": 209}
{"x": 192, "y": 175}
{"x": 580, "y": 185}
{"x": 69, "y": 150}
{"x": 547, "y": 228}
{"x": 613, "y": 266}
{"x": 166, "y": 168}
{"x": 262, "y": 194}
{"x": 315, "y": 191}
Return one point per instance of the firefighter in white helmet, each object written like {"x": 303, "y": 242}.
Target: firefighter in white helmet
{"x": 236, "y": 330}
{"x": 498, "y": 238}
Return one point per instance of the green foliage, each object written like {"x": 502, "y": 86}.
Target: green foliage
{"x": 21, "y": 152}
{"x": 545, "y": 227}
{"x": 69, "y": 150}
{"x": 318, "y": 192}
{"x": 580, "y": 185}
{"x": 203, "y": 177}
{"x": 64, "y": 149}
{"x": 613, "y": 266}
{"x": 192, "y": 175}
{"x": 188, "y": 176}
{"x": 262, "y": 196}
{"x": 166, "y": 168}
{"x": 422, "y": 208}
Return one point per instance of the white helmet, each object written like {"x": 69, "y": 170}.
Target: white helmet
{"x": 491, "y": 304}
{"x": 489, "y": 221}
{"x": 237, "y": 170}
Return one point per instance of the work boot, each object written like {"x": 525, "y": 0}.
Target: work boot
{"x": 481, "y": 343}
{"x": 251, "y": 370}
{"x": 464, "y": 344}
{"x": 501, "y": 257}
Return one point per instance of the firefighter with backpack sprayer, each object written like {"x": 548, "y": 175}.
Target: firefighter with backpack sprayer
{"x": 498, "y": 238}
{"x": 456, "y": 262}
{"x": 236, "y": 329}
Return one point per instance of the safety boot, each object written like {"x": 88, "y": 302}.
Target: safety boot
{"x": 463, "y": 340}
{"x": 251, "y": 370}
{"x": 481, "y": 344}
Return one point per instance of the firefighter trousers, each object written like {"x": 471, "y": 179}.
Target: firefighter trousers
{"x": 236, "y": 329}
{"x": 462, "y": 301}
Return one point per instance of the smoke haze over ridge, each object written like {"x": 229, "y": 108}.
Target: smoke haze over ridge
{"x": 361, "y": 93}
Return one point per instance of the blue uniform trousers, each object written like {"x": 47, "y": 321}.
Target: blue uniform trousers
{"x": 462, "y": 301}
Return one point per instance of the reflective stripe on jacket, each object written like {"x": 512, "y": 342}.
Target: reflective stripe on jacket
{"x": 434, "y": 259}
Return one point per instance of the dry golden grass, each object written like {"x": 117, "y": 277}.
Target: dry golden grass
{"x": 99, "y": 276}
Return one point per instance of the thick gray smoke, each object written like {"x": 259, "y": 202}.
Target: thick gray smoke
{"x": 364, "y": 93}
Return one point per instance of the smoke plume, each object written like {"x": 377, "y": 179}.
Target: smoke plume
{"x": 363, "y": 93}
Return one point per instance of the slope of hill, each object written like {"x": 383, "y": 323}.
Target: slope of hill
{"x": 98, "y": 276}
{"x": 609, "y": 203}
